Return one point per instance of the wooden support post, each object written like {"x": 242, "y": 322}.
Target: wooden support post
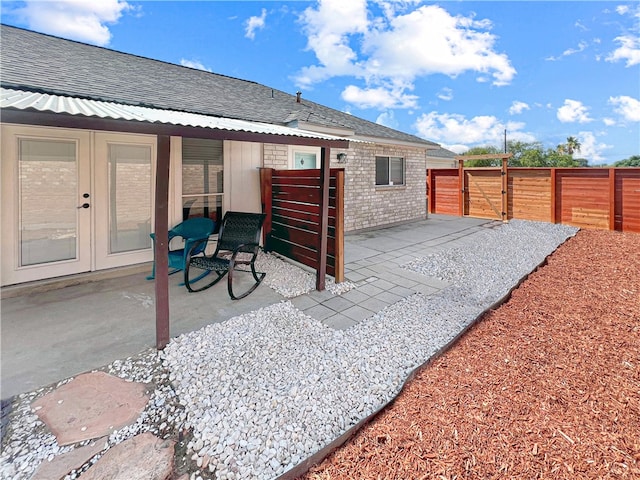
{"x": 339, "y": 218}
{"x": 553, "y": 196}
{"x": 461, "y": 187}
{"x": 266, "y": 196}
{"x": 324, "y": 218}
{"x": 162, "y": 240}
{"x": 505, "y": 190}
{"x": 612, "y": 199}
{"x": 430, "y": 192}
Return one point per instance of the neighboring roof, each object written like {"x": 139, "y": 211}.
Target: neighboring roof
{"x": 441, "y": 153}
{"x": 43, "y": 102}
{"x": 47, "y": 64}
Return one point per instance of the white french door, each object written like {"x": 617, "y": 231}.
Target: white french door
{"x": 46, "y": 181}
{"x": 124, "y": 183}
{"x": 73, "y": 201}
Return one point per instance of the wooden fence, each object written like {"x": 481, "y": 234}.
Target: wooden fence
{"x": 291, "y": 200}
{"x": 604, "y": 198}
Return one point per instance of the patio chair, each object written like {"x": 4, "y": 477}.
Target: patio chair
{"x": 237, "y": 249}
{"x": 195, "y": 233}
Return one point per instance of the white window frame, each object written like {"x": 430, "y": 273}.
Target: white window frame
{"x": 391, "y": 183}
{"x": 293, "y": 149}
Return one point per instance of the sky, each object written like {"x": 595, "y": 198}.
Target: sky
{"x": 458, "y": 73}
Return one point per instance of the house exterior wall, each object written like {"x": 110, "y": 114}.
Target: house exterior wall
{"x": 367, "y": 205}
{"x": 275, "y": 156}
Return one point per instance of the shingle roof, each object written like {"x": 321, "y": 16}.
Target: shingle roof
{"x": 441, "y": 153}
{"x": 34, "y": 61}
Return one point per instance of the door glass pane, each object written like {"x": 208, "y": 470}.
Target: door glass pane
{"x": 129, "y": 197}
{"x": 48, "y": 176}
{"x": 304, "y": 160}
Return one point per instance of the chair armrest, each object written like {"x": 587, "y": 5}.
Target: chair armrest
{"x": 195, "y": 244}
{"x": 251, "y": 248}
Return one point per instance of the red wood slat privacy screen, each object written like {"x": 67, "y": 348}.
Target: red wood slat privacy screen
{"x": 291, "y": 200}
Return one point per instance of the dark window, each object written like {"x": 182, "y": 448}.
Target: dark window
{"x": 389, "y": 171}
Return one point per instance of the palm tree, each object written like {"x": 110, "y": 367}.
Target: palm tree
{"x": 573, "y": 145}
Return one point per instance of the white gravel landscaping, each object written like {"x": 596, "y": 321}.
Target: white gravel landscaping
{"x": 267, "y": 389}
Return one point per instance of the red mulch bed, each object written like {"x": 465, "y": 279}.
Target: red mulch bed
{"x": 546, "y": 386}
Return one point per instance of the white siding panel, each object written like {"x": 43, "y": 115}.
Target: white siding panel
{"x": 242, "y": 183}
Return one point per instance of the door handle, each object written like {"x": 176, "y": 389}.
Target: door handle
{"x": 84, "y": 205}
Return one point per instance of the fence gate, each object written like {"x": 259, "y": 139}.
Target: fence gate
{"x": 483, "y": 193}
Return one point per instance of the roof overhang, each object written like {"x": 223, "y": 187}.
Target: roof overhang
{"x": 313, "y": 127}
{"x": 391, "y": 141}
{"x": 36, "y": 108}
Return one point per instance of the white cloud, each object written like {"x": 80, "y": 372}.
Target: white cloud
{"x": 328, "y": 29}
{"x": 573, "y": 51}
{"x": 580, "y": 26}
{"x": 75, "y": 19}
{"x": 627, "y": 107}
{"x": 573, "y": 111}
{"x": 629, "y": 42}
{"x": 609, "y": 122}
{"x": 518, "y": 107}
{"x": 628, "y": 50}
{"x": 455, "y": 129}
{"x": 456, "y": 44}
{"x": 194, "y": 64}
{"x": 446, "y": 94}
{"x": 456, "y": 148}
{"x": 389, "y": 51}
{"x": 255, "y": 23}
{"x": 591, "y": 149}
{"x": 569, "y": 51}
{"x": 388, "y": 119}
{"x": 378, "y": 97}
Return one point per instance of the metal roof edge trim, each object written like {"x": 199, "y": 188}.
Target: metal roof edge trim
{"x": 45, "y": 102}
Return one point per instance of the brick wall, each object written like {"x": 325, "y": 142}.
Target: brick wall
{"x": 275, "y": 156}
{"x": 365, "y": 204}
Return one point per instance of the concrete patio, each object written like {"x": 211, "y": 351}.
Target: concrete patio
{"x": 50, "y": 333}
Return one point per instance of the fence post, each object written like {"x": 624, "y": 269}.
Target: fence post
{"x": 430, "y": 192}
{"x": 461, "y": 187}
{"x": 505, "y": 189}
{"x": 339, "y": 218}
{"x": 553, "y": 196}
{"x": 324, "y": 218}
{"x": 266, "y": 194}
{"x": 612, "y": 199}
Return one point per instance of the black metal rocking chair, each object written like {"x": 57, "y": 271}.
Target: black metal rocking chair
{"x": 238, "y": 246}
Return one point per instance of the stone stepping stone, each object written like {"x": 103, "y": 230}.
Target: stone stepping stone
{"x": 143, "y": 457}
{"x": 92, "y": 405}
{"x": 61, "y": 465}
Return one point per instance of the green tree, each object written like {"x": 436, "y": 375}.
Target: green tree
{"x": 632, "y": 161}
{"x": 526, "y": 154}
{"x": 573, "y": 145}
{"x": 531, "y": 154}
{"x": 487, "y": 162}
